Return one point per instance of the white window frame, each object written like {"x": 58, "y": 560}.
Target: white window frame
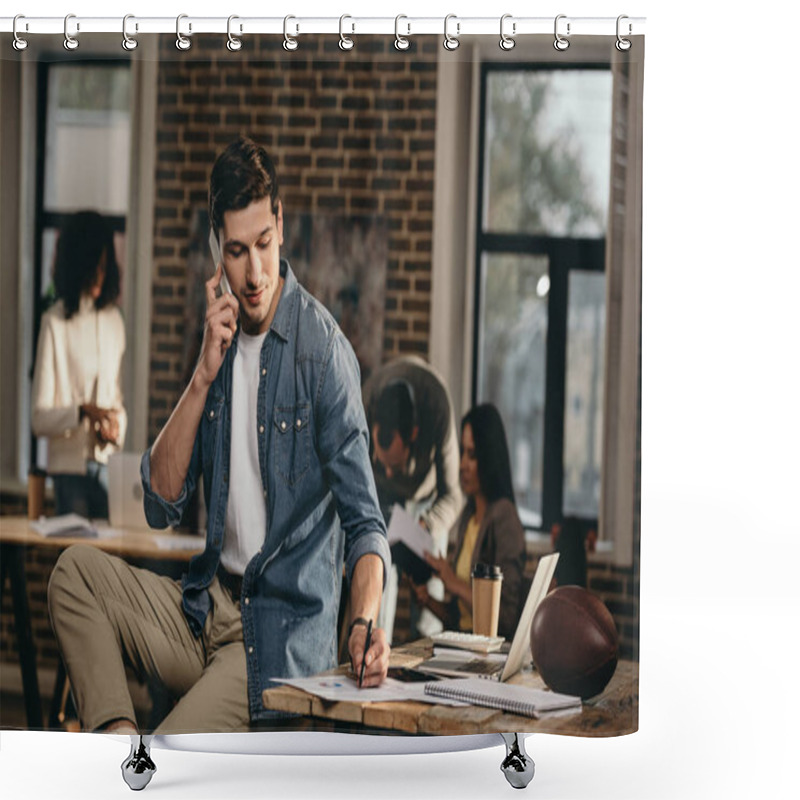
{"x": 454, "y": 259}
{"x": 17, "y": 319}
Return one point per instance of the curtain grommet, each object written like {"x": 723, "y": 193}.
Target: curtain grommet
{"x": 19, "y": 44}
{"x": 451, "y": 42}
{"x": 401, "y": 42}
{"x": 234, "y": 44}
{"x": 182, "y": 42}
{"x": 561, "y": 43}
{"x": 128, "y": 42}
{"x": 70, "y": 42}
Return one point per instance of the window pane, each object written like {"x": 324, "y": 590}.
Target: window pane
{"x": 87, "y": 138}
{"x": 548, "y": 152}
{"x": 511, "y": 362}
{"x": 583, "y": 414}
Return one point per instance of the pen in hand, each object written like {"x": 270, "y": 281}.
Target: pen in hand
{"x": 366, "y": 650}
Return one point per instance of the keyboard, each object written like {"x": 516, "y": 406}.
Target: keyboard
{"x": 468, "y": 641}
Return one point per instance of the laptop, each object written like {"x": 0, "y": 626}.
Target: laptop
{"x": 125, "y": 493}
{"x": 497, "y": 667}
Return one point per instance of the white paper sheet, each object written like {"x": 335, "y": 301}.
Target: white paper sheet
{"x": 404, "y": 528}
{"x": 343, "y": 689}
{"x": 179, "y": 542}
{"x": 64, "y": 525}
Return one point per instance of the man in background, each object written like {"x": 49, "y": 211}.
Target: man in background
{"x": 415, "y": 459}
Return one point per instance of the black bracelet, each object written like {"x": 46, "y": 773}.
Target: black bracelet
{"x": 357, "y": 621}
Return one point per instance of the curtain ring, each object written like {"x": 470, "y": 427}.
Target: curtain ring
{"x": 560, "y": 43}
{"x": 506, "y": 41}
{"x": 233, "y": 44}
{"x": 19, "y": 43}
{"x": 345, "y": 42}
{"x": 289, "y": 43}
{"x": 182, "y": 42}
{"x": 128, "y": 42}
{"x": 70, "y": 42}
{"x": 400, "y": 42}
{"x": 451, "y": 42}
{"x": 623, "y": 44}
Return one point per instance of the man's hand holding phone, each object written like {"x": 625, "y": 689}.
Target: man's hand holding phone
{"x": 216, "y": 256}
{"x": 222, "y": 315}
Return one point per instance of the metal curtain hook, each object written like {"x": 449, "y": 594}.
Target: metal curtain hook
{"x": 400, "y": 42}
{"x": 70, "y": 42}
{"x": 128, "y": 42}
{"x": 345, "y": 42}
{"x": 451, "y": 42}
{"x": 561, "y": 43}
{"x": 288, "y": 42}
{"x": 233, "y": 44}
{"x": 182, "y": 42}
{"x": 19, "y": 43}
{"x": 506, "y": 41}
{"x": 623, "y": 44}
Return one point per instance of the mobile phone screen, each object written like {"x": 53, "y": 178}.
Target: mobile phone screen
{"x": 216, "y": 256}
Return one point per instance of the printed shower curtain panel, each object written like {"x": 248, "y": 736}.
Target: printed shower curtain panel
{"x": 462, "y": 225}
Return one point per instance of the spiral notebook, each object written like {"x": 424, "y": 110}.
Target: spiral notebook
{"x": 506, "y": 697}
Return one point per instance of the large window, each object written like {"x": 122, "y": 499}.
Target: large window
{"x": 544, "y": 175}
{"x": 84, "y": 146}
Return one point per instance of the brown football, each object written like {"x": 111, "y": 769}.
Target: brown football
{"x": 574, "y": 642}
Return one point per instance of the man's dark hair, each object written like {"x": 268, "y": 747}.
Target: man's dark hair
{"x": 242, "y": 173}
{"x": 396, "y": 411}
{"x": 491, "y": 451}
{"x": 84, "y": 240}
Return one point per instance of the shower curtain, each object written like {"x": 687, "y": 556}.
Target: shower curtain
{"x": 472, "y": 206}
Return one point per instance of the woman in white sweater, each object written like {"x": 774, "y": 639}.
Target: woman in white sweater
{"x": 77, "y": 394}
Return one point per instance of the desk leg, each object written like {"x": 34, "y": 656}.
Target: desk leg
{"x": 54, "y": 723}
{"x": 13, "y": 557}
{"x": 518, "y": 766}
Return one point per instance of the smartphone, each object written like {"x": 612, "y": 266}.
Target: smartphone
{"x": 216, "y": 255}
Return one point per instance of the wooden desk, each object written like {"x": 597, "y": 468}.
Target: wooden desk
{"x": 16, "y": 536}
{"x": 128, "y": 543}
{"x": 612, "y": 713}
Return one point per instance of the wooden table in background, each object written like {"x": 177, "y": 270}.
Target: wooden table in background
{"x": 16, "y": 536}
{"x": 614, "y": 712}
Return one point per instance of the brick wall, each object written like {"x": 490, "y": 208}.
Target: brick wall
{"x": 350, "y": 134}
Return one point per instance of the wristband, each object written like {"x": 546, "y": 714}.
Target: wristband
{"x": 357, "y": 621}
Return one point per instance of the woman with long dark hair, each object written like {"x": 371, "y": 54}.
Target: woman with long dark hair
{"x": 77, "y": 394}
{"x": 487, "y": 531}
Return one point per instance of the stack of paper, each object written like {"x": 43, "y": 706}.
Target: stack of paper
{"x": 71, "y": 525}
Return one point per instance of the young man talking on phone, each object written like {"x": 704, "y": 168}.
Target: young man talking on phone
{"x": 272, "y": 419}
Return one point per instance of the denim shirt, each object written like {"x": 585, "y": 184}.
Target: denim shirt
{"x": 322, "y": 507}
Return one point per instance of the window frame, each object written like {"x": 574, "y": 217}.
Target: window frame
{"x": 45, "y": 219}
{"x": 564, "y": 255}
{"x": 20, "y": 135}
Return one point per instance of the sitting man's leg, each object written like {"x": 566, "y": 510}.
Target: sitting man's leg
{"x": 218, "y": 700}
{"x": 106, "y": 613}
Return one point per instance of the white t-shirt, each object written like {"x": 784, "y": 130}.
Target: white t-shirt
{"x": 246, "y": 515}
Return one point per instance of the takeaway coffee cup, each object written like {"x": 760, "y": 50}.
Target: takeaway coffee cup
{"x": 487, "y": 581}
{"x": 35, "y": 493}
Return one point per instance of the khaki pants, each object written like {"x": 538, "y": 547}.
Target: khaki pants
{"x": 107, "y": 614}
